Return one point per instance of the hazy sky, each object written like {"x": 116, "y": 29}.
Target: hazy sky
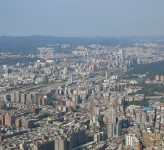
{"x": 82, "y": 17}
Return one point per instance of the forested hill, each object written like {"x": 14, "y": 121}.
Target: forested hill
{"x": 29, "y": 44}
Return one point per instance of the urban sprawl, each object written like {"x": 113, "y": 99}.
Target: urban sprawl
{"x": 89, "y": 99}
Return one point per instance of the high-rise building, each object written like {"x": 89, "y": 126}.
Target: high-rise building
{"x": 112, "y": 115}
{"x": 30, "y": 98}
{"x": 138, "y": 60}
{"x": 81, "y": 137}
{"x": 108, "y": 74}
{"x": 99, "y": 137}
{"x": 69, "y": 143}
{"x": 17, "y": 96}
{"x": 2, "y": 119}
{"x": 140, "y": 117}
{"x": 65, "y": 71}
{"x": 42, "y": 100}
{"x": 45, "y": 79}
{"x": 74, "y": 136}
{"x": 18, "y": 122}
{"x": 49, "y": 145}
{"x": 60, "y": 144}
{"x": 76, "y": 99}
{"x": 114, "y": 130}
{"x": 96, "y": 137}
{"x": 56, "y": 144}
{"x": 157, "y": 77}
{"x": 121, "y": 52}
{"x": 23, "y": 98}
{"x": 9, "y": 120}
{"x": 131, "y": 140}
{"x": 27, "y": 123}
{"x": 7, "y": 70}
{"x": 98, "y": 87}
{"x": 23, "y": 146}
{"x": 161, "y": 78}
{"x": 91, "y": 105}
{"x": 13, "y": 98}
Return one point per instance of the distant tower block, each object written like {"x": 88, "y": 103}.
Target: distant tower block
{"x": 71, "y": 78}
{"x": 108, "y": 74}
{"x": 121, "y": 52}
{"x": 157, "y": 77}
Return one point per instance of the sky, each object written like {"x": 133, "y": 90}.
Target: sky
{"x": 81, "y": 18}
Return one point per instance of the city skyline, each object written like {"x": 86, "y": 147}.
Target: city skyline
{"x": 75, "y": 18}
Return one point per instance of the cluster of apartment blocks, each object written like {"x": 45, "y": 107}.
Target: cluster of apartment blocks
{"x": 159, "y": 77}
{"x": 12, "y": 120}
{"x": 111, "y": 118}
{"x": 64, "y": 142}
{"x": 150, "y": 122}
{"x": 17, "y": 75}
{"x": 114, "y": 125}
{"x": 47, "y": 137}
{"x": 29, "y": 98}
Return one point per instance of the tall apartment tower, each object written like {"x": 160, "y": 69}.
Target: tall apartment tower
{"x": 91, "y": 106}
{"x": 17, "y": 96}
{"x": 112, "y": 115}
{"x": 60, "y": 144}
{"x": 49, "y": 145}
{"x": 9, "y": 120}
{"x": 114, "y": 130}
{"x": 23, "y": 98}
{"x": 13, "y": 99}
{"x": 2, "y": 119}
{"x": 42, "y": 100}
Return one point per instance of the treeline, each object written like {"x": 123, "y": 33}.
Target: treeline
{"x": 13, "y": 61}
{"x": 140, "y": 103}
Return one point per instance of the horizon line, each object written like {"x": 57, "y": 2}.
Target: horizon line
{"x": 114, "y": 36}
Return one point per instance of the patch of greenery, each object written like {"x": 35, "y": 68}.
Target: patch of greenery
{"x": 14, "y": 61}
{"x": 141, "y": 103}
{"x": 151, "y": 68}
{"x": 43, "y": 116}
{"x": 51, "y": 97}
{"x": 8, "y": 108}
{"x": 149, "y": 89}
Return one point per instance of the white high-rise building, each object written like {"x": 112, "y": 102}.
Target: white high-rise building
{"x": 114, "y": 130}
{"x": 131, "y": 140}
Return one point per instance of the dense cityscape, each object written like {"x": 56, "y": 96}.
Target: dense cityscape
{"x": 83, "y": 97}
